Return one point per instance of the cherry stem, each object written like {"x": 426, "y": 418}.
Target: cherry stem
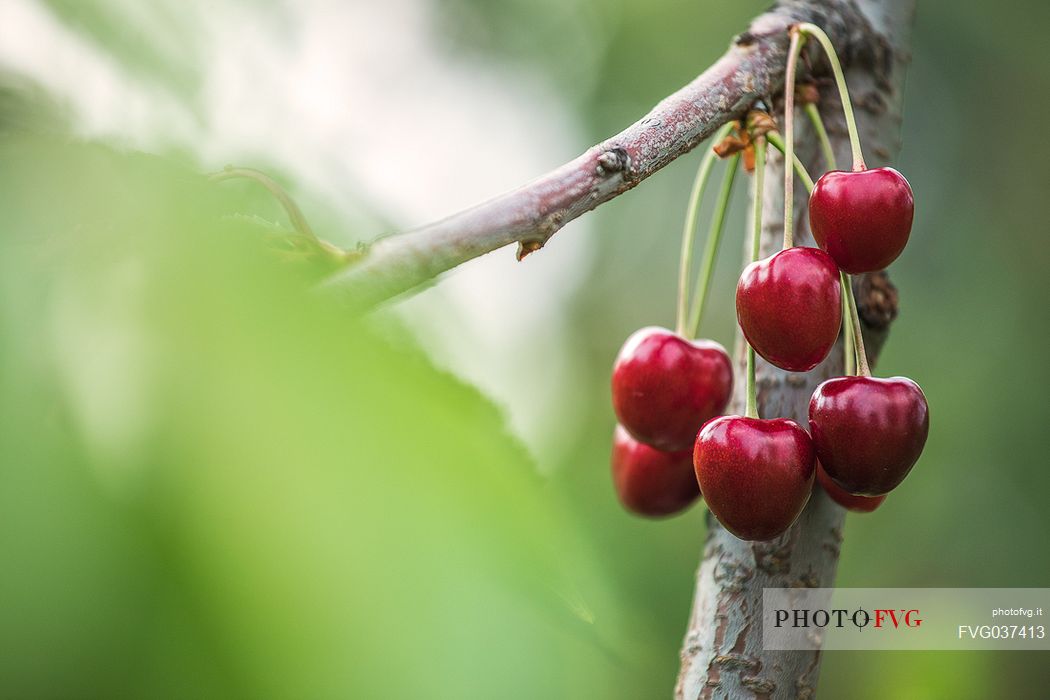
{"x": 778, "y": 143}
{"x": 822, "y": 136}
{"x": 714, "y": 238}
{"x": 760, "y": 177}
{"x": 848, "y": 348}
{"x": 840, "y": 80}
{"x": 689, "y": 229}
{"x": 847, "y": 331}
{"x": 858, "y": 335}
{"x": 797, "y": 39}
{"x": 756, "y": 244}
{"x": 849, "y": 351}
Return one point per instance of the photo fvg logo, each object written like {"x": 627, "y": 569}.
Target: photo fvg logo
{"x": 881, "y": 618}
{"x": 945, "y": 619}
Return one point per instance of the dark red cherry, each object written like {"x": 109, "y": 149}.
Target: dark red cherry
{"x": 651, "y": 482}
{"x": 868, "y": 432}
{"x": 857, "y": 504}
{"x": 756, "y": 475}
{"x": 862, "y": 218}
{"x": 664, "y": 387}
{"x": 789, "y": 308}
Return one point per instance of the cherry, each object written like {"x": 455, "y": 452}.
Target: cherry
{"x": 862, "y": 218}
{"x": 756, "y": 475}
{"x": 651, "y": 482}
{"x": 857, "y": 504}
{"x": 868, "y": 432}
{"x": 664, "y": 387}
{"x": 789, "y": 308}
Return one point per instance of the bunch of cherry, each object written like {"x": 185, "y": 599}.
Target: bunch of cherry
{"x": 865, "y": 434}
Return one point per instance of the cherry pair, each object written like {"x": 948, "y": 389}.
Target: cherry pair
{"x": 866, "y": 435}
{"x": 869, "y": 431}
{"x": 664, "y": 387}
{"x": 789, "y": 305}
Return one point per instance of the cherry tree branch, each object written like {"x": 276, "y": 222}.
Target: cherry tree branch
{"x": 752, "y": 68}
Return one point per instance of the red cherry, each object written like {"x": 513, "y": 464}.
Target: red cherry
{"x": 664, "y": 387}
{"x": 857, "y": 504}
{"x": 789, "y": 308}
{"x": 756, "y": 475}
{"x": 862, "y": 218}
{"x": 651, "y": 482}
{"x": 868, "y": 432}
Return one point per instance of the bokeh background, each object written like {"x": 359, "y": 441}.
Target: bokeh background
{"x": 214, "y": 483}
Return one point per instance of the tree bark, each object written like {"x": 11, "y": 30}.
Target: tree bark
{"x": 722, "y": 654}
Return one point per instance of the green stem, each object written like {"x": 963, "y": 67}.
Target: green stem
{"x": 778, "y": 143}
{"x": 756, "y": 244}
{"x": 822, "y": 136}
{"x": 752, "y": 394}
{"x": 760, "y": 177}
{"x": 295, "y": 214}
{"x": 858, "y": 336}
{"x": 840, "y": 80}
{"x": 689, "y": 229}
{"x": 849, "y": 352}
{"x": 797, "y": 39}
{"x": 714, "y": 238}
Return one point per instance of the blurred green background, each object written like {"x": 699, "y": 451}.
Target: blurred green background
{"x": 215, "y": 484}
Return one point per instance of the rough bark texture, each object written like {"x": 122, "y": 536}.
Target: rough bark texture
{"x": 752, "y": 68}
{"x": 722, "y": 654}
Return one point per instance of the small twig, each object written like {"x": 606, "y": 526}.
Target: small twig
{"x": 295, "y": 214}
